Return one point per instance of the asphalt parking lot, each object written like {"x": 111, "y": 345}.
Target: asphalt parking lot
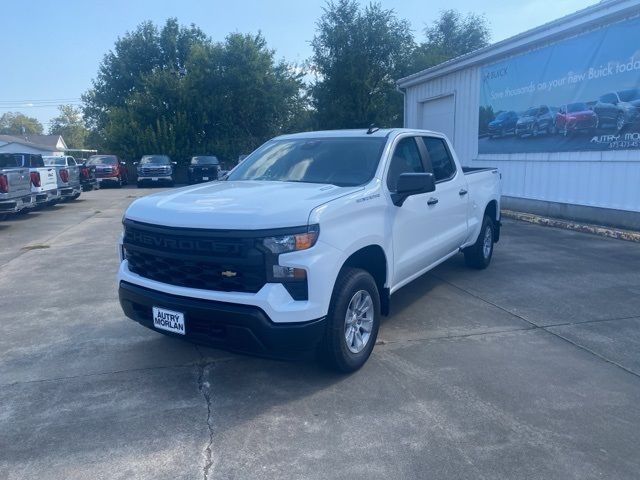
{"x": 528, "y": 370}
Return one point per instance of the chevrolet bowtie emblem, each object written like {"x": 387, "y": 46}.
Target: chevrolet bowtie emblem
{"x": 229, "y": 274}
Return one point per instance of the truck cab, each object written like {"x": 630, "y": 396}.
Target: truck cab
{"x": 303, "y": 245}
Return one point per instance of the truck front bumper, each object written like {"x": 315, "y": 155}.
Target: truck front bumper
{"x": 235, "y": 327}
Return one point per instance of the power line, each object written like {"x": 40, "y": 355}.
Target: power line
{"x": 49, "y": 100}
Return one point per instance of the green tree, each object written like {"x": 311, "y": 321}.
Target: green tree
{"x": 70, "y": 125}
{"x": 174, "y": 91}
{"x": 16, "y": 123}
{"x": 450, "y": 36}
{"x": 358, "y": 55}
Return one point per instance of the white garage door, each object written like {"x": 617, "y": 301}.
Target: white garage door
{"x": 438, "y": 115}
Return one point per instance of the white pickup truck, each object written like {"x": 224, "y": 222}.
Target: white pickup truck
{"x": 67, "y": 175}
{"x": 44, "y": 183}
{"x": 303, "y": 245}
{"x": 15, "y": 186}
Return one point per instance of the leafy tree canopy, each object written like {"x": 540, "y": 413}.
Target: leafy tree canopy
{"x": 450, "y": 36}
{"x": 358, "y": 55}
{"x": 16, "y": 123}
{"x": 70, "y": 125}
{"x": 175, "y": 91}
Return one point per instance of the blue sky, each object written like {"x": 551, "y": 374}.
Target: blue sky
{"x": 51, "y": 50}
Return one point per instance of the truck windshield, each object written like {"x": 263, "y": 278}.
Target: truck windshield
{"x": 204, "y": 161}
{"x": 343, "y": 162}
{"x": 155, "y": 160}
{"x": 102, "y": 160}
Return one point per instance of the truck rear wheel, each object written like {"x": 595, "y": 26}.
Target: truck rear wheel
{"x": 352, "y": 322}
{"x": 479, "y": 254}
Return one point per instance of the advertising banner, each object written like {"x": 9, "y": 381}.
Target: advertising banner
{"x": 582, "y": 93}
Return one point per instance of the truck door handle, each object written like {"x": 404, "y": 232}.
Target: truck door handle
{"x": 462, "y": 192}
{"x": 432, "y": 201}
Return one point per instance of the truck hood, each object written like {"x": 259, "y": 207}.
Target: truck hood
{"x": 241, "y": 205}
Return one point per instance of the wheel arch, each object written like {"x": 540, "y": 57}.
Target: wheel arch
{"x": 372, "y": 259}
{"x": 491, "y": 210}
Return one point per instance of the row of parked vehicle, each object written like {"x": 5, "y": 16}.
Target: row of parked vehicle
{"x": 154, "y": 170}
{"x": 30, "y": 181}
{"x": 612, "y": 110}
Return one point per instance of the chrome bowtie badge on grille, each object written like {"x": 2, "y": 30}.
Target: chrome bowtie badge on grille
{"x": 229, "y": 274}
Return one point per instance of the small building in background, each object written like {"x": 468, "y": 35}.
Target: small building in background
{"x": 42, "y": 144}
{"x": 556, "y": 109}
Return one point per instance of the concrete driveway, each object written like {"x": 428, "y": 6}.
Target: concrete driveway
{"x": 528, "y": 370}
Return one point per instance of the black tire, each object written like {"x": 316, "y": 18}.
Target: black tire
{"x": 139, "y": 184}
{"x": 475, "y": 255}
{"x": 334, "y": 350}
{"x": 119, "y": 183}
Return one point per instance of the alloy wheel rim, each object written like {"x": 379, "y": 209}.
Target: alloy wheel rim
{"x": 358, "y": 321}
{"x": 488, "y": 241}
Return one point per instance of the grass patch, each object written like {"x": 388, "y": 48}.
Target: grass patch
{"x": 37, "y": 246}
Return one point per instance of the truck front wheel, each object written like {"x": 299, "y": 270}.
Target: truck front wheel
{"x": 352, "y": 322}
{"x": 479, "y": 254}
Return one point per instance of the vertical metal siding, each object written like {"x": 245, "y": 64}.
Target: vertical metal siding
{"x": 598, "y": 179}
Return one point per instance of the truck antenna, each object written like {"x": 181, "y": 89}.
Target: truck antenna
{"x": 372, "y": 128}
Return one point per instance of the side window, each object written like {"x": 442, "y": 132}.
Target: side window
{"x": 405, "y": 159}
{"x": 71, "y": 161}
{"x": 609, "y": 98}
{"x": 443, "y": 165}
{"x": 544, "y": 110}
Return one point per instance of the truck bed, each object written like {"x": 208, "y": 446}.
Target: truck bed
{"x": 471, "y": 170}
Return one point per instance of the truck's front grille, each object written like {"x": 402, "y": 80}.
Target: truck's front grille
{"x": 206, "y": 259}
{"x": 154, "y": 170}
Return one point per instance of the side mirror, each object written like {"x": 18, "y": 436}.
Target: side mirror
{"x": 412, "y": 184}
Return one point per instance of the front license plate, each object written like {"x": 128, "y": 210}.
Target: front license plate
{"x": 205, "y": 178}
{"x": 168, "y": 320}
{"x": 154, "y": 179}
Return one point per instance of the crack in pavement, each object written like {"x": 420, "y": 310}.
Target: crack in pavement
{"x": 204, "y": 387}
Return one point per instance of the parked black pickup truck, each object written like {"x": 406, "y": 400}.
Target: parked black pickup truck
{"x": 88, "y": 179}
{"x": 203, "y": 168}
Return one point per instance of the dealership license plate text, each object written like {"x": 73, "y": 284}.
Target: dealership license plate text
{"x": 168, "y": 320}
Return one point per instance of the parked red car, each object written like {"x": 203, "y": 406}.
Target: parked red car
{"x": 109, "y": 169}
{"x": 575, "y": 116}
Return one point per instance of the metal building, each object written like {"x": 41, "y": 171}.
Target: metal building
{"x": 556, "y": 109}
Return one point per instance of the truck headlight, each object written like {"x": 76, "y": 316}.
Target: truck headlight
{"x": 292, "y": 243}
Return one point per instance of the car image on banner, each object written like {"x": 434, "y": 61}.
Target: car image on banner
{"x": 578, "y": 94}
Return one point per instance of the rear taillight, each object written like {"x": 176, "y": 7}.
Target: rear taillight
{"x": 4, "y": 185}
{"x": 84, "y": 171}
{"x": 35, "y": 179}
{"x": 64, "y": 175}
